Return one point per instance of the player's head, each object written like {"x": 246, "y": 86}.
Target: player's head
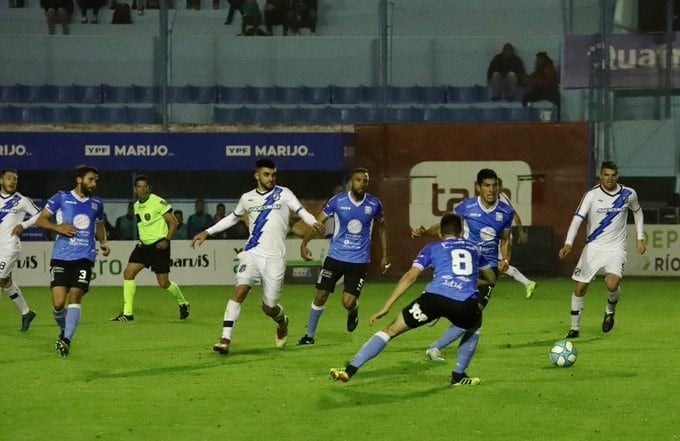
{"x": 487, "y": 186}
{"x": 609, "y": 175}
{"x": 9, "y": 178}
{"x": 265, "y": 174}
{"x": 142, "y": 187}
{"x": 450, "y": 225}
{"x": 358, "y": 182}
{"x": 86, "y": 179}
{"x": 179, "y": 215}
{"x": 220, "y": 209}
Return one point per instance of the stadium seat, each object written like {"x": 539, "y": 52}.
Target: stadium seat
{"x": 432, "y": 114}
{"x": 232, "y": 115}
{"x": 180, "y": 94}
{"x": 146, "y": 94}
{"x": 407, "y": 114}
{"x": 33, "y": 94}
{"x": 360, "y": 115}
{"x": 9, "y": 115}
{"x": 288, "y": 95}
{"x": 262, "y": 95}
{"x": 267, "y": 115}
{"x": 404, "y": 95}
{"x": 61, "y": 94}
{"x": 494, "y": 114}
{"x": 320, "y": 115}
{"x": 433, "y": 94}
{"x": 10, "y": 94}
{"x": 113, "y": 115}
{"x": 32, "y": 114}
{"x": 315, "y": 95}
{"x": 118, "y": 94}
{"x": 522, "y": 114}
{"x": 141, "y": 115}
{"x": 462, "y": 94}
{"x": 292, "y": 115}
{"x": 58, "y": 114}
{"x": 88, "y": 94}
{"x": 460, "y": 114}
{"x": 484, "y": 93}
{"x": 346, "y": 95}
{"x": 232, "y": 95}
{"x": 203, "y": 94}
{"x": 86, "y": 114}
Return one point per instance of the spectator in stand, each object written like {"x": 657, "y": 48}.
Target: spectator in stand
{"x": 220, "y": 213}
{"x": 200, "y": 220}
{"x": 234, "y": 5}
{"x": 543, "y": 82}
{"x": 84, "y": 5}
{"x": 126, "y": 225}
{"x": 302, "y": 14}
{"x": 194, "y": 4}
{"x": 58, "y": 11}
{"x": 111, "y": 232}
{"x": 506, "y": 72}
{"x": 238, "y": 231}
{"x": 276, "y": 14}
{"x": 251, "y": 18}
{"x": 181, "y": 231}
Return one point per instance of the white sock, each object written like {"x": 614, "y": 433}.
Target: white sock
{"x": 517, "y": 275}
{"x": 576, "y": 311}
{"x": 14, "y": 293}
{"x": 612, "y": 299}
{"x": 231, "y": 314}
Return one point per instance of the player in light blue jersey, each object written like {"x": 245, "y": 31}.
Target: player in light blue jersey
{"x": 452, "y": 293}
{"x": 79, "y": 224}
{"x": 487, "y": 223}
{"x": 354, "y": 212}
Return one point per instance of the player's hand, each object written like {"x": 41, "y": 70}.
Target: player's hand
{"x": 564, "y": 251}
{"x": 66, "y": 230}
{"x": 106, "y": 250}
{"x": 318, "y": 227}
{"x": 305, "y": 253}
{"x": 17, "y": 230}
{"x": 199, "y": 239}
{"x": 523, "y": 236}
{"x": 503, "y": 265}
{"x": 641, "y": 246}
{"x": 418, "y": 232}
{"x": 378, "y": 315}
{"x": 385, "y": 264}
{"x": 163, "y": 244}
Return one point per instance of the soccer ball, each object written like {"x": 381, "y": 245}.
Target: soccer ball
{"x": 563, "y": 353}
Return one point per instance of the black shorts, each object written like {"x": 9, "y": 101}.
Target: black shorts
{"x": 71, "y": 274}
{"x": 464, "y": 314}
{"x": 150, "y": 256}
{"x": 333, "y": 269}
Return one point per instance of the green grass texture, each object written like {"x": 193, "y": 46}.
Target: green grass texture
{"x": 157, "y": 378}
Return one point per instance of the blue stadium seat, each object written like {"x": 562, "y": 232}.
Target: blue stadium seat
{"x": 58, "y": 114}
{"x": 346, "y": 94}
{"x": 88, "y": 94}
{"x": 262, "y": 95}
{"x": 462, "y": 94}
{"x": 10, "y": 94}
{"x": 146, "y": 94}
{"x": 493, "y": 114}
{"x": 62, "y": 94}
{"x": 293, "y": 115}
{"x": 232, "y": 115}
{"x": 114, "y": 115}
{"x": 32, "y": 114}
{"x": 232, "y": 95}
{"x": 432, "y": 114}
{"x": 203, "y": 94}
{"x": 9, "y": 115}
{"x": 522, "y": 114}
{"x": 433, "y": 94}
{"x": 288, "y": 95}
{"x": 141, "y": 115}
{"x": 484, "y": 93}
{"x": 360, "y": 115}
{"x": 320, "y": 115}
{"x": 267, "y": 115}
{"x": 33, "y": 93}
{"x": 404, "y": 95}
{"x": 118, "y": 94}
{"x": 316, "y": 95}
{"x": 86, "y": 114}
{"x": 460, "y": 114}
{"x": 407, "y": 114}
{"x": 180, "y": 94}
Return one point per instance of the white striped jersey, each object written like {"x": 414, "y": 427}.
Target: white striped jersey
{"x": 13, "y": 211}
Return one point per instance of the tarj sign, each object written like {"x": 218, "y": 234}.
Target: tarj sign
{"x": 173, "y": 151}
{"x": 635, "y": 60}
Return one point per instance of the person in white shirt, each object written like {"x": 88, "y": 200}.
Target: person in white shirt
{"x": 13, "y": 210}
{"x": 263, "y": 258}
{"x": 606, "y": 206}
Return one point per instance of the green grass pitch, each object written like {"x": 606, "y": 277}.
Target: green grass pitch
{"x": 158, "y": 379}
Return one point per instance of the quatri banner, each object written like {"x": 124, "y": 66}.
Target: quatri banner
{"x": 173, "y": 151}
{"x": 635, "y": 60}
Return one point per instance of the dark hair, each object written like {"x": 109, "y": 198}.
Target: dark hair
{"x": 179, "y": 211}
{"x": 82, "y": 170}
{"x": 265, "y": 163}
{"x": 139, "y": 178}
{"x": 8, "y": 170}
{"x": 220, "y": 205}
{"x": 611, "y": 165}
{"x": 485, "y": 173}
{"x": 451, "y": 224}
{"x": 359, "y": 170}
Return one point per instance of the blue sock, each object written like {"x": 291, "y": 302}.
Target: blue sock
{"x": 466, "y": 351}
{"x": 313, "y": 321}
{"x": 451, "y": 334}
{"x": 370, "y": 349}
{"x": 60, "y": 318}
{"x": 72, "y": 320}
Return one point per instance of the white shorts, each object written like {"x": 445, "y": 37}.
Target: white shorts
{"x": 265, "y": 270}
{"x": 613, "y": 261}
{"x": 8, "y": 260}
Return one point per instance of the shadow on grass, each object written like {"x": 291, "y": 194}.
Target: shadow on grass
{"x": 543, "y": 343}
{"x": 346, "y": 396}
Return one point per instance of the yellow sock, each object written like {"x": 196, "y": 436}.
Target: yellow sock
{"x": 175, "y": 291}
{"x": 129, "y": 289}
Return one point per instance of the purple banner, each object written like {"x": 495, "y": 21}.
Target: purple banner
{"x": 635, "y": 61}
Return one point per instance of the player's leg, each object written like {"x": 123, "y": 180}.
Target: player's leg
{"x": 451, "y": 334}
{"x": 588, "y": 264}
{"x": 136, "y": 263}
{"x": 231, "y": 315}
{"x": 325, "y": 285}
{"x": 516, "y": 274}
{"x": 59, "y": 288}
{"x": 160, "y": 265}
{"x": 467, "y": 316}
{"x": 15, "y": 295}
{"x": 354, "y": 282}
{"x": 80, "y": 274}
{"x": 613, "y": 275}
{"x": 273, "y": 272}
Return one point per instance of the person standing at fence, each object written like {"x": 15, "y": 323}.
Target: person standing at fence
{"x": 263, "y": 258}
{"x": 14, "y": 207}
{"x": 156, "y": 225}
{"x": 606, "y": 206}
{"x": 354, "y": 212}
{"x": 79, "y": 225}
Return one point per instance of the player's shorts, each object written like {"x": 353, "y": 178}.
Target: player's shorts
{"x": 150, "y": 256}
{"x": 613, "y": 261}
{"x": 8, "y": 260}
{"x": 268, "y": 271}
{"x": 463, "y": 313}
{"x": 333, "y": 270}
{"x": 71, "y": 274}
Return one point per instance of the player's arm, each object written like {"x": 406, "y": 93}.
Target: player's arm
{"x": 421, "y": 231}
{"x": 385, "y": 262}
{"x": 505, "y": 247}
{"x": 305, "y": 253}
{"x": 171, "y": 222}
{"x": 638, "y": 217}
{"x": 44, "y": 221}
{"x": 227, "y": 221}
{"x": 404, "y": 284}
{"x": 34, "y": 214}
{"x": 100, "y": 235}
{"x": 576, "y": 221}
